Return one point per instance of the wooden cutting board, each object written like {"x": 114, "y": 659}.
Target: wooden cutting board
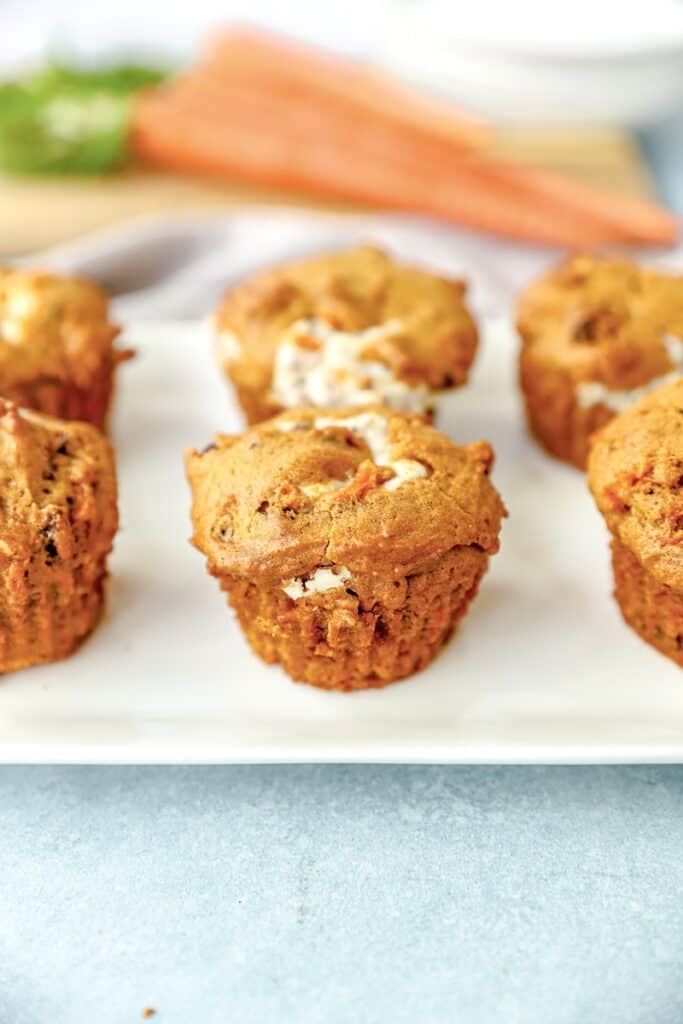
{"x": 35, "y": 213}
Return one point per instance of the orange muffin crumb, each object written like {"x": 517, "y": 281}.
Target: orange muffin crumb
{"x": 58, "y": 518}
{"x": 352, "y": 328}
{"x": 635, "y": 472}
{"x": 57, "y": 353}
{"x": 349, "y": 543}
{"x": 596, "y": 334}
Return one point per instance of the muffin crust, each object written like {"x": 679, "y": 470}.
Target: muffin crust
{"x": 56, "y": 345}
{"x": 636, "y": 477}
{"x": 349, "y": 328}
{"x": 349, "y": 543}
{"x": 58, "y": 518}
{"x": 596, "y": 335}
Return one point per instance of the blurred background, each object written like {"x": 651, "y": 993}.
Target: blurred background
{"x": 590, "y": 92}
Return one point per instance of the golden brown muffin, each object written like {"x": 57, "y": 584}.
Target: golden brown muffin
{"x": 56, "y": 345}
{"x": 596, "y": 335}
{"x": 58, "y": 518}
{"x": 352, "y": 328}
{"x": 635, "y": 471}
{"x": 349, "y": 543}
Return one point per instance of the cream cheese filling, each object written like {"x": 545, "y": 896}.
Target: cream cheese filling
{"x": 315, "y": 490}
{"x": 373, "y": 429}
{"x": 593, "y": 392}
{"x": 324, "y": 578}
{"x": 318, "y": 365}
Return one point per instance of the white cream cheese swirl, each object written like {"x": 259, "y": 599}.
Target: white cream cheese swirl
{"x": 320, "y": 366}
{"x": 593, "y": 392}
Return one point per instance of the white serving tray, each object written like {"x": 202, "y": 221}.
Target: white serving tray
{"x": 542, "y": 668}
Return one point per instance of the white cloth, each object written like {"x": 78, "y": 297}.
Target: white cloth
{"x": 176, "y": 267}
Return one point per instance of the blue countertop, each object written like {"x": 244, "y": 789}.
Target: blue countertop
{"x": 334, "y": 894}
{"x": 319, "y": 895}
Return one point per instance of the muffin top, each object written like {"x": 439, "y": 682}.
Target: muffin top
{"x": 635, "y": 472}
{"x": 54, "y": 327}
{"x": 350, "y": 328}
{"x": 54, "y": 477}
{"x": 605, "y": 320}
{"x": 318, "y": 494}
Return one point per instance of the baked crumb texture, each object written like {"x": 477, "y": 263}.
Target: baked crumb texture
{"x": 57, "y": 353}
{"x": 350, "y": 544}
{"x": 649, "y": 606}
{"x": 596, "y": 335}
{"x": 58, "y": 517}
{"x": 352, "y": 328}
{"x": 635, "y": 472}
{"x": 336, "y": 643}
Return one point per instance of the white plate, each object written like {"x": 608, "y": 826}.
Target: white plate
{"x": 587, "y": 62}
{"x": 542, "y": 668}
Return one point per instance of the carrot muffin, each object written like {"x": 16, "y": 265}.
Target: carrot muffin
{"x": 352, "y": 328}
{"x": 635, "y": 472}
{"x": 58, "y": 518}
{"x": 56, "y": 345}
{"x": 349, "y": 542}
{"x": 596, "y": 335}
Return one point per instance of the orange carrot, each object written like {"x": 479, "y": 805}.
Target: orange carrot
{"x": 285, "y": 64}
{"x": 621, "y": 216}
{"x": 280, "y": 114}
{"x": 639, "y": 219}
{"x": 261, "y": 58}
{"x": 238, "y": 142}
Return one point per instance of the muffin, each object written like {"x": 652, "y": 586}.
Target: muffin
{"x": 349, "y": 329}
{"x": 56, "y": 345}
{"x": 349, "y": 543}
{"x": 635, "y": 472}
{"x": 596, "y": 335}
{"x": 58, "y": 518}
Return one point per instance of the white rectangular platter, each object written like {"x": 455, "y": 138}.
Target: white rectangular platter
{"x": 542, "y": 669}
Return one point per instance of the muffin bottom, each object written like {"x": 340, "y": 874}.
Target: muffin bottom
{"x": 64, "y": 401}
{"x": 41, "y": 622}
{"x": 337, "y": 642}
{"x": 554, "y": 416}
{"x": 650, "y": 607}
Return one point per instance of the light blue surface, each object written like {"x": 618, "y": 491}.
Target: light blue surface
{"x": 318, "y": 895}
{"x": 664, "y": 149}
{"x": 326, "y": 895}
